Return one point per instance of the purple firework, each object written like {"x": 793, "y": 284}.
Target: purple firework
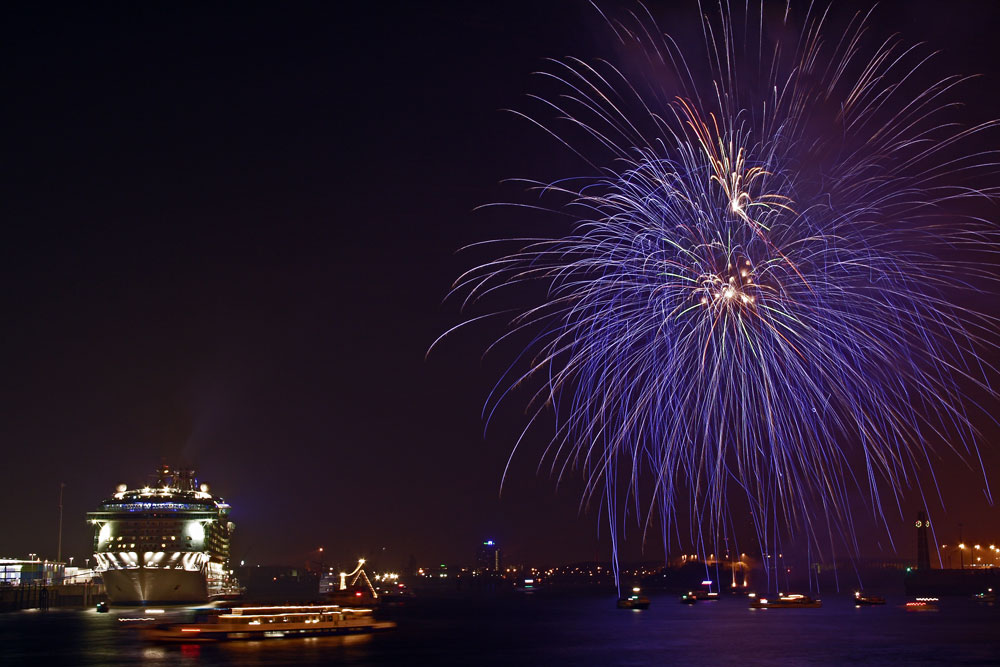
{"x": 758, "y": 307}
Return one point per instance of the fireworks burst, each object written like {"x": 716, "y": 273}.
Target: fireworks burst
{"x": 760, "y": 301}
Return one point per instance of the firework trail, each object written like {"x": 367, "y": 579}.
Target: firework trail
{"x": 755, "y": 304}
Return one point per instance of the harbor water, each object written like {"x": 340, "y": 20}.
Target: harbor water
{"x": 549, "y": 630}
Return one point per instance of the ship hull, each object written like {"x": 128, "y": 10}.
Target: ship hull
{"x": 149, "y": 585}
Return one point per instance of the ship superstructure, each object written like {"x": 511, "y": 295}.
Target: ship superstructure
{"x": 165, "y": 542}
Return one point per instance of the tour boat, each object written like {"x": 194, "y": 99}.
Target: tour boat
{"x": 270, "y": 622}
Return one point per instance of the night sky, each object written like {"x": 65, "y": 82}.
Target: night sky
{"x": 228, "y": 232}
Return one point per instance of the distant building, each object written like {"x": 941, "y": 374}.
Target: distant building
{"x": 442, "y": 571}
{"x": 78, "y": 575}
{"x": 329, "y": 582}
{"x": 15, "y": 572}
{"x": 488, "y": 560}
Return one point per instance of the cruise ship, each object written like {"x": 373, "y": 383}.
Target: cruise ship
{"x": 167, "y": 542}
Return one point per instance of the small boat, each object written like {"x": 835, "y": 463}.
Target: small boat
{"x": 861, "y": 598}
{"x": 922, "y": 604}
{"x": 634, "y": 601}
{"x": 395, "y": 598}
{"x": 784, "y": 601}
{"x": 526, "y": 586}
{"x": 269, "y": 622}
{"x": 694, "y": 596}
{"x": 988, "y": 597}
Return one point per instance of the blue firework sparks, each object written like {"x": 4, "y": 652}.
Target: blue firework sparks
{"x": 757, "y": 298}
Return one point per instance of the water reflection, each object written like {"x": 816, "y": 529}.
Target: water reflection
{"x": 154, "y": 653}
{"x": 295, "y": 649}
{"x": 577, "y": 630}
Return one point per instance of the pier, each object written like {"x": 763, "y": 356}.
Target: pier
{"x": 46, "y": 596}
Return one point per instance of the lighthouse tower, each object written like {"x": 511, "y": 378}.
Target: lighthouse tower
{"x": 923, "y": 553}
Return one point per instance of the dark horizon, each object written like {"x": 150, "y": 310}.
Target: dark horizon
{"x": 230, "y": 233}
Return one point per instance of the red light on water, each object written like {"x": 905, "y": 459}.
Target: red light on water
{"x": 190, "y": 650}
